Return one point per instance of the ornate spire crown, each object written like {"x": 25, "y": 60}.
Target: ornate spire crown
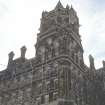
{"x": 60, "y": 15}
{"x": 59, "y": 6}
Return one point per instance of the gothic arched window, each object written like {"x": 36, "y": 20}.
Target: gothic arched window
{"x": 56, "y": 47}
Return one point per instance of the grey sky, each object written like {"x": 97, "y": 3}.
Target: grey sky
{"x": 20, "y": 20}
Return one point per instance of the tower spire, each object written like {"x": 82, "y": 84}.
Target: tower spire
{"x": 59, "y": 5}
{"x": 72, "y": 9}
{"x": 67, "y": 6}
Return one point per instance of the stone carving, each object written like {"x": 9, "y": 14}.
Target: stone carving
{"x": 57, "y": 75}
{"x": 49, "y": 41}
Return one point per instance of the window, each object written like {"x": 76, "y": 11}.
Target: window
{"x": 51, "y": 97}
{"x": 51, "y": 84}
{"x": 39, "y": 89}
{"x": 42, "y": 99}
{"x": 59, "y": 19}
{"x": 38, "y": 101}
{"x": 76, "y": 58}
{"x": 55, "y": 96}
{"x": 56, "y": 83}
{"x": 48, "y": 86}
{"x": 66, "y": 20}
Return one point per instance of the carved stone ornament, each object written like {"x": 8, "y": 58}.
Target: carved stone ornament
{"x": 42, "y": 50}
{"x": 49, "y": 41}
{"x": 56, "y": 44}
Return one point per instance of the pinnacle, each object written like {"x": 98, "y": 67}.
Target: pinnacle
{"x": 59, "y": 5}
{"x": 67, "y": 6}
{"x": 72, "y": 9}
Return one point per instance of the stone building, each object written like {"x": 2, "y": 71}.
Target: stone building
{"x": 57, "y": 74}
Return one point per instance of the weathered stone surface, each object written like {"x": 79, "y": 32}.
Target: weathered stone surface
{"x": 57, "y": 74}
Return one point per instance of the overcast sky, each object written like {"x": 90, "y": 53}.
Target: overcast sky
{"x": 20, "y": 21}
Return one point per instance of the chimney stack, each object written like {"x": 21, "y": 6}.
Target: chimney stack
{"x": 23, "y": 51}
{"x": 91, "y": 60}
{"x": 10, "y": 57}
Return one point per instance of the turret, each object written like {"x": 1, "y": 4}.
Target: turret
{"x": 66, "y": 17}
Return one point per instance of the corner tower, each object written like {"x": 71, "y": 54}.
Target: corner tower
{"x": 59, "y": 52}
{"x": 59, "y": 30}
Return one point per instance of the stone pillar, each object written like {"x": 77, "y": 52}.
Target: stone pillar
{"x": 23, "y": 51}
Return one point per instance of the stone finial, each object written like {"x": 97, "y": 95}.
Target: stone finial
{"x": 44, "y": 13}
{"x": 67, "y": 6}
{"x": 23, "y": 51}
{"x": 73, "y": 12}
{"x": 91, "y": 60}
{"x": 103, "y": 63}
